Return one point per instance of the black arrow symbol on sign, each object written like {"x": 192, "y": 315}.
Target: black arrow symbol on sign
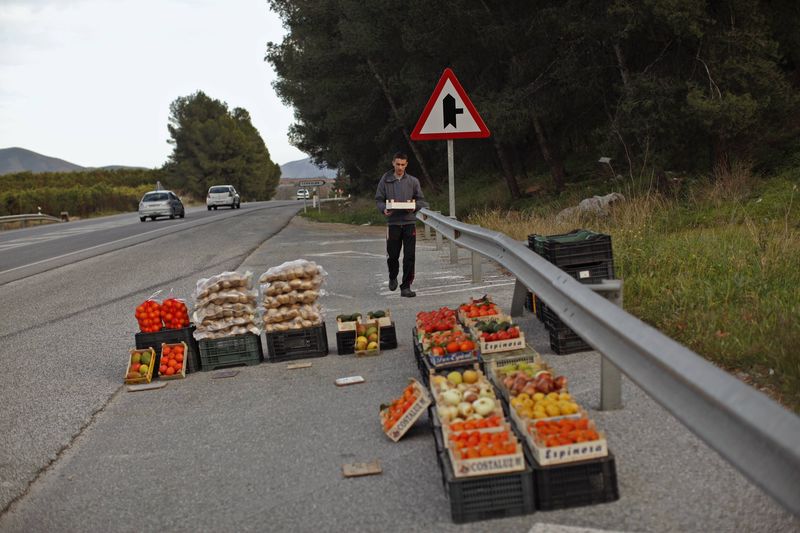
{"x": 450, "y": 110}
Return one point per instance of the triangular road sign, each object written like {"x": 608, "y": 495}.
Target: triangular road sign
{"x": 449, "y": 114}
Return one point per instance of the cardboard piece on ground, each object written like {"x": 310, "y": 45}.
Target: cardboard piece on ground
{"x": 362, "y": 469}
{"x": 349, "y": 380}
{"x": 295, "y": 366}
{"x": 147, "y": 386}
{"x": 224, "y": 374}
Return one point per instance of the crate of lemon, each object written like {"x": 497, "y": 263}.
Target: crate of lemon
{"x": 368, "y": 339}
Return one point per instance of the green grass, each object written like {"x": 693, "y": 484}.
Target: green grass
{"x": 357, "y": 211}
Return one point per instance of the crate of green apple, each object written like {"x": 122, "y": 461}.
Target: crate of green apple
{"x": 498, "y": 335}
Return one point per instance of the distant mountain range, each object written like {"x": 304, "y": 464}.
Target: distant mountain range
{"x": 304, "y": 168}
{"x": 22, "y": 160}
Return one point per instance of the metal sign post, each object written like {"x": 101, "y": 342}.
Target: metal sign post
{"x": 449, "y": 114}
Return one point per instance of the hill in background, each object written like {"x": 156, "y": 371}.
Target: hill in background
{"x": 304, "y": 168}
{"x": 22, "y": 160}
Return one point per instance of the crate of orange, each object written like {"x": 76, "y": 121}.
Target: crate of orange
{"x": 453, "y": 348}
{"x": 403, "y": 412}
{"x": 173, "y": 361}
{"x": 482, "y": 453}
{"x": 566, "y": 440}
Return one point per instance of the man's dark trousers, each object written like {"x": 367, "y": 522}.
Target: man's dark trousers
{"x": 401, "y": 237}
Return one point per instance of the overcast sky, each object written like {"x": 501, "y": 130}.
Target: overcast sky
{"x": 91, "y": 81}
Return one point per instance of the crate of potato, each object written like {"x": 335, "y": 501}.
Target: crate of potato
{"x": 140, "y": 366}
{"x": 403, "y": 412}
{"x": 173, "y": 361}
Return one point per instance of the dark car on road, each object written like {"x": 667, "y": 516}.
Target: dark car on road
{"x": 160, "y": 204}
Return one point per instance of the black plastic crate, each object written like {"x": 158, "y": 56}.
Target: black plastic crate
{"x": 573, "y": 248}
{"x": 565, "y": 341}
{"x": 388, "y": 336}
{"x": 528, "y": 303}
{"x": 575, "y": 484}
{"x": 486, "y": 497}
{"x": 538, "y": 307}
{"x": 230, "y": 351}
{"x": 346, "y": 342}
{"x": 297, "y": 344}
{"x": 590, "y": 273}
{"x": 172, "y": 336}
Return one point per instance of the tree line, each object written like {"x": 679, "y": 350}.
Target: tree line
{"x": 658, "y": 85}
{"x": 212, "y": 146}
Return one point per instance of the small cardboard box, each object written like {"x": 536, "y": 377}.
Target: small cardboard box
{"x": 182, "y": 372}
{"x": 409, "y": 205}
{"x": 408, "y": 419}
{"x": 149, "y": 376}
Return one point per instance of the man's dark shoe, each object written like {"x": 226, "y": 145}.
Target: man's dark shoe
{"x": 392, "y": 284}
{"x": 407, "y": 293}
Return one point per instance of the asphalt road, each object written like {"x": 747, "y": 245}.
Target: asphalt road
{"x": 263, "y": 451}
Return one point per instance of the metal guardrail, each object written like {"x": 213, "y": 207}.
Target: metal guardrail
{"x": 748, "y": 429}
{"x": 24, "y": 219}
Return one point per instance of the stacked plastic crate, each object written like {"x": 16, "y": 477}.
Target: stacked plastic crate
{"x": 586, "y": 256}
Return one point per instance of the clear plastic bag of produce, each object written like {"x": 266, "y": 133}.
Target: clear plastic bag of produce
{"x": 229, "y": 280}
{"x": 298, "y": 269}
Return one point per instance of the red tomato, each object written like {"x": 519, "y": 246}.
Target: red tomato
{"x": 452, "y": 347}
{"x": 466, "y": 346}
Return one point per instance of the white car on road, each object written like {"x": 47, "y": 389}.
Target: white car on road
{"x": 223, "y": 195}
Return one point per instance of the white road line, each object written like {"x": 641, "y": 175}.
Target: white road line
{"x": 351, "y": 254}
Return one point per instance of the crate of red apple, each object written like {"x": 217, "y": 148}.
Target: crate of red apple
{"x": 398, "y": 416}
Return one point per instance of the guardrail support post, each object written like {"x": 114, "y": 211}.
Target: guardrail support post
{"x": 453, "y": 248}
{"x": 476, "y": 267}
{"x": 518, "y": 299}
{"x": 427, "y": 231}
{"x": 610, "y": 376}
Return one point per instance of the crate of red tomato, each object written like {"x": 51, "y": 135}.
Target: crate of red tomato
{"x": 477, "y": 310}
{"x": 498, "y": 335}
{"x": 442, "y": 319}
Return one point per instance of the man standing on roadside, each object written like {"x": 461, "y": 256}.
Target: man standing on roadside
{"x": 401, "y": 229}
